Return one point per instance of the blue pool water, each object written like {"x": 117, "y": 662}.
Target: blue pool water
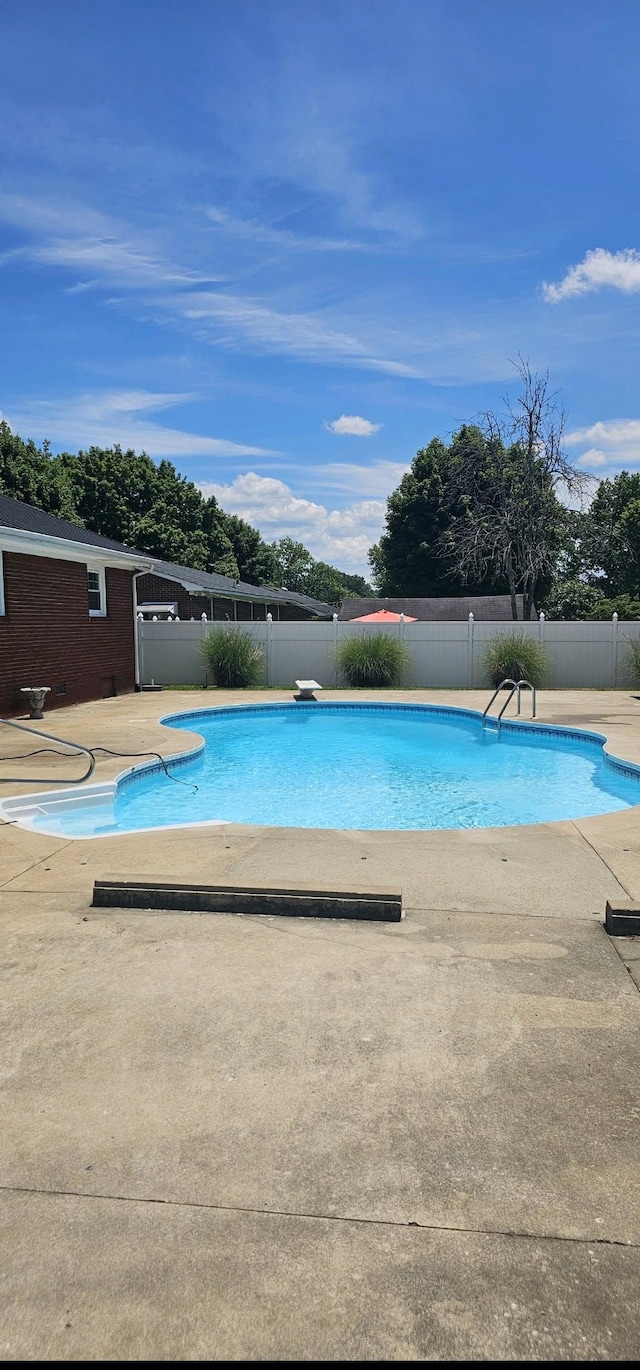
{"x": 366, "y": 766}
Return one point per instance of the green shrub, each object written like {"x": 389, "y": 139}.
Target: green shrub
{"x": 633, "y": 661}
{"x": 373, "y": 659}
{"x": 515, "y": 656}
{"x": 231, "y": 658}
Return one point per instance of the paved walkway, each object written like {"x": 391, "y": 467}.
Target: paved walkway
{"x": 252, "y": 1138}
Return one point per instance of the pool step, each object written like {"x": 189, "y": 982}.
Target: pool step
{"x": 381, "y": 904}
{"x": 622, "y": 919}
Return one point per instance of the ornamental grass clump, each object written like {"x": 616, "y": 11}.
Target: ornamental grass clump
{"x": 633, "y": 660}
{"x": 372, "y": 660}
{"x": 231, "y": 658}
{"x": 515, "y": 656}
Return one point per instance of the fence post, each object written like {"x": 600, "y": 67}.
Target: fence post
{"x": 334, "y": 663}
{"x": 470, "y": 650}
{"x": 140, "y": 632}
{"x": 614, "y": 650}
{"x": 269, "y": 648}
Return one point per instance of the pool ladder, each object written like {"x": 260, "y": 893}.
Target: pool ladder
{"x": 516, "y": 687}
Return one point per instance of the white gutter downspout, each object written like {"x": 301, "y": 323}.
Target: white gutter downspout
{"x": 136, "y": 646}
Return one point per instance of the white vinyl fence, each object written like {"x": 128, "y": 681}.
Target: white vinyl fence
{"x": 582, "y": 655}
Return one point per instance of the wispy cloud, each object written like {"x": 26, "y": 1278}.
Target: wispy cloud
{"x": 113, "y": 255}
{"x": 599, "y": 268}
{"x": 354, "y": 426}
{"x": 111, "y": 417}
{"x": 303, "y": 335}
{"x": 615, "y": 443}
{"x": 339, "y": 536}
{"x": 272, "y": 236}
{"x": 82, "y": 239}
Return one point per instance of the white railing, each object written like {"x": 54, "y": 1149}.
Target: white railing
{"x": 582, "y": 655}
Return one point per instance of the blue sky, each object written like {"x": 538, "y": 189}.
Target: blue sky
{"x": 285, "y": 244}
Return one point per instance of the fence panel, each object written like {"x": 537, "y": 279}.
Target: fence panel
{"x": 442, "y": 655}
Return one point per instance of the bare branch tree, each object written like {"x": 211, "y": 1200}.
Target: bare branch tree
{"x": 513, "y": 512}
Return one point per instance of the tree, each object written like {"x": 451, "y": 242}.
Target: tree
{"x": 409, "y": 558}
{"x": 326, "y": 583}
{"x": 220, "y": 554}
{"x": 611, "y": 543}
{"x": 573, "y": 599}
{"x": 27, "y": 473}
{"x": 256, "y": 560}
{"x": 293, "y": 563}
{"x": 415, "y": 555}
{"x": 512, "y": 523}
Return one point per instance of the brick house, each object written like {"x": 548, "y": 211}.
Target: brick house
{"x": 69, "y": 600}
{"x": 67, "y": 614}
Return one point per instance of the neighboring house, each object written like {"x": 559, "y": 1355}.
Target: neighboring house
{"x": 69, "y": 599}
{"x": 182, "y": 591}
{"x": 485, "y": 608}
{"x": 67, "y": 612}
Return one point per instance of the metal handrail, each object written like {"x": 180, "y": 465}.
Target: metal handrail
{"x": 50, "y": 737}
{"x": 526, "y": 684}
{"x": 516, "y": 687}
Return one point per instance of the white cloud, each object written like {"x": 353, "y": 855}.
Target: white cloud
{"x": 615, "y": 444}
{"x": 110, "y": 417}
{"x": 340, "y": 536}
{"x": 354, "y": 425}
{"x": 593, "y": 457}
{"x": 619, "y": 270}
{"x": 376, "y": 480}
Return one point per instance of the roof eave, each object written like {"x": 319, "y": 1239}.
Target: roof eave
{"x": 66, "y": 549}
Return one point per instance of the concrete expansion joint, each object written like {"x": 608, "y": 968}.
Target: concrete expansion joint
{"x": 346, "y": 1218}
{"x": 600, "y": 857}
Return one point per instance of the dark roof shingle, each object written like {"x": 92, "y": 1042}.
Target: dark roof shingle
{"x": 26, "y": 518}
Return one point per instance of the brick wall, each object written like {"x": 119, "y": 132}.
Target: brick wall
{"x": 48, "y": 638}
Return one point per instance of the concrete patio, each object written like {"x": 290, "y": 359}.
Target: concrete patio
{"x": 253, "y": 1138}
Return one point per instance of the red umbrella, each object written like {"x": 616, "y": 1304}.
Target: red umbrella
{"x": 383, "y": 616}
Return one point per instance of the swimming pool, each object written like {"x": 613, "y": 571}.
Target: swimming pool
{"x": 351, "y": 765}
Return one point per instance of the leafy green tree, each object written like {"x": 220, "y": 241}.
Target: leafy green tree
{"x": 326, "y": 583}
{"x": 415, "y": 555}
{"x": 611, "y": 544}
{"x": 255, "y": 558}
{"x": 27, "y": 473}
{"x": 293, "y": 562}
{"x": 357, "y": 585}
{"x": 625, "y": 606}
{"x": 220, "y": 554}
{"x": 572, "y": 599}
{"x": 408, "y": 559}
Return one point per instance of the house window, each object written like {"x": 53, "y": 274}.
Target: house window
{"x": 1, "y": 586}
{"x": 97, "y": 593}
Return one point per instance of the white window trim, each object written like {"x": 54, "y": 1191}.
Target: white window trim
{"x": 100, "y": 572}
{"x": 2, "y": 605}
